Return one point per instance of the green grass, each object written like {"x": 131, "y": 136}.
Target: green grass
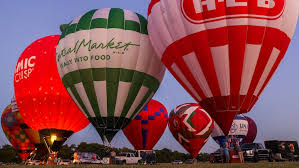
{"x": 199, "y": 165}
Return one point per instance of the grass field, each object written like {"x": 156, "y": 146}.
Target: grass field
{"x": 199, "y": 165}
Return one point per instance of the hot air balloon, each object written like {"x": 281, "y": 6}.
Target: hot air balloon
{"x": 222, "y": 52}
{"x": 31, "y": 133}
{"x": 43, "y": 102}
{"x": 108, "y": 66}
{"x": 14, "y": 133}
{"x": 148, "y": 126}
{"x": 191, "y": 126}
{"x": 239, "y": 130}
{"x": 252, "y": 131}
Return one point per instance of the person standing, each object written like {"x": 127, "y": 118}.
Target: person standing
{"x": 226, "y": 152}
{"x": 239, "y": 150}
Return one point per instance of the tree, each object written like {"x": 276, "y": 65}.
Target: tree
{"x": 9, "y": 155}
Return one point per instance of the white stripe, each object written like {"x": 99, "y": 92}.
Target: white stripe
{"x": 101, "y": 92}
{"x": 97, "y": 61}
{"x": 195, "y": 68}
{"x": 181, "y": 76}
{"x": 220, "y": 57}
{"x": 273, "y": 57}
{"x": 156, "y": 67}
{"x": 75, "y": 100}
{"x": 116, "y": 59}
{"x": 251, "y": 56}
{"x": 66, "y": 42}
{"x": 142, "y": 92}
{"x": 129, "y": 15}
{"x": 157, "y": 28}
{"x": 171, "y": 16}
{"x": 101, "y": 13}
{"x": 130, "y": 57}
{"x": 122, "y": 95}
{"x": 145, "y": 55}
{"x": 81, "y": 91}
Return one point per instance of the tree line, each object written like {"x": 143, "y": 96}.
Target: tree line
{"x": 9, "y": 155}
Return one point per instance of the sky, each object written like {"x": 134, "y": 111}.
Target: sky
{"x": 22, "y": 22}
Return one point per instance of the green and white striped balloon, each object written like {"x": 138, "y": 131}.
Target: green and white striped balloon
{"x": 108, "y": 66}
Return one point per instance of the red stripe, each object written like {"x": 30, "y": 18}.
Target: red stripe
{"x": 152, "y": 3}
{"x": 237, "y": 39}
{"x": 273, "y": 38}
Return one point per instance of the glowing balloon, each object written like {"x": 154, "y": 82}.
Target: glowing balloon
{"x": 191, "y": 126}
{"x": 148, "y": 126}
{"x": 108, "y": 66}
{"x": 222, "y": 52}
{"x": 31, "y": 133}
{"x": 43, "y": 102}
{"x": 14, "y": 133}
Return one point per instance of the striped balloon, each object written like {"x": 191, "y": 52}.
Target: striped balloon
{"x": 222, "y": 52}
{"x": 108, "y": 66}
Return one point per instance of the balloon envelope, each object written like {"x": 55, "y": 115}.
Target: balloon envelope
{"x": 222, "y": 52}
{"x": 108, "y": 66}
{"x": 191, "y": 126}
{"x": 14, "y": 133}
{"x": 43, "y": 102}
{"x": 148, "y": 126}
{"x": 252, "y": 131}
{"x": 239, "y": 130}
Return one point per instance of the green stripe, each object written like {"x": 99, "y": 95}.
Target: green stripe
{"x": 99, "y": 74}
{"x": 132, "y": 25}
{"x": 190, "y": 118}
{"x": 99, "y": 23}
{"x": 143, "y": 24}
{"x": 112, "y": 77}
{"x": 112, "y": 81}
{"x": 64, "y": 32}
{"x": 116, "y": 18}
{"x": 79, "y": 100}
{"x": 85, "y": 21}
{"x": 70, "y": 29}
{"x": 92, "y": 97}
{"x": 133, "y": 92}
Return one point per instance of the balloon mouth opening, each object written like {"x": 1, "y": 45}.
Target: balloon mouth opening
{"x": 54, "y": 138}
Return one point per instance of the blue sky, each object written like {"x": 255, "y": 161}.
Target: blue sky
{"x": 22, "y": 22}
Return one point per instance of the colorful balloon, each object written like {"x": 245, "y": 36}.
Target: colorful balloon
{"x": 191, "y": 126}
{"x": 108, "y": 66}
{"x": 14, "y": 133}
{"x": 239, "y": 130}
{"x": 222, "y": 52}
{"x": 148, "y": 126}
{"x": 44, "y": 104}
{"x": 252, "y": 131}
